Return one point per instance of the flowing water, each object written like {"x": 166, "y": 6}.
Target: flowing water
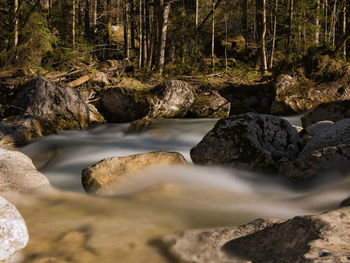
{"x": 74, "y": 227}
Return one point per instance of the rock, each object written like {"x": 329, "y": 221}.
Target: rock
{"x": 13, "y": 232}
{"x": 123, "y": 105}
{"x": 109, "y": 173}
{"x": 345, "y": 202}
{"x": 139, "y": 126}
{"x": 19, "y": 176}
{"x": 320, "y": 238}
{"x": 209, "y": 105}
{"x": 327, "y": 149}
{"x": 332, "y": 111}
{"x": 55, "y": 107}
{"x": 100, "y": 78}
{"x": 95, "y": 117}
{"x": 205, "y": 246}
{"x": 171, "y": 99}
{"x": 21, "y": 130}
{"x": 318, "y": 126}
{"x": 254, "y": 141}
{"x": 298, "y": 95}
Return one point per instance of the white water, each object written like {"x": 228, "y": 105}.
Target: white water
{"x": 214, "y": 188}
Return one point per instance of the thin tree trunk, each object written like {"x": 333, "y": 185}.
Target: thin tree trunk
{"x": 291, "y": 7}
{"x": 226, "y": 41}
{"x": 73, "y": 23}
{"x": 213, "y": 34}
{"x": 15, "y": 12}
{"x": 326, "y": 22}
{"x": 87, "y": 19}
{"x": 261, "y": 28}
{"x": 126, "y": 29}
{"x": 344, "y": 27}
{"x": 95, "y": 16}
{"x": 140, "y": 34}
{"x": 208, "y": 16}
{"x": 151, "y": 38}
{"x": 166, "y": 11}
{"x": 274, "y": 35}
{"x": 333, "y": 23}
{"x": 317, "y": 33}
{"x": 144, "y": 35}
{"x": 148, "y": 31}
{"x": 132, "y": 24}
{"x": 197, "y": 13}
{"x": 109, "y": 20}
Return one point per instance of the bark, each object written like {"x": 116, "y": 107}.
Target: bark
{"x": 197, "y": 13}
{"x": 213, "y": 34}
{"x": 274, "y": 34}
{"x": 144, "y": 35}
{"x": 126, "y": 29}
{"x": 291, "y": 7}
{"x": 166, "y": 11}
{"x": 140, "y": 34}
{"x": 15, "y": 12}
{"x": 73, "y": 22}
{"x": 333, "y": 22}
{"x": 317, "y": 33}
{"x": 95, "y": 16}
{"x": 344, "y": 27}
{"x": 326, "y": 22}
{"x": 261, "y": 28}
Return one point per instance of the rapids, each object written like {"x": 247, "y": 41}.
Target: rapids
{"x": 74, "y": 227}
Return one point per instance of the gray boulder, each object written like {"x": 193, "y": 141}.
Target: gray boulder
{"x": 123, "y": 104}
{"x": 332, "y": 111}
{"x": 171, "y": 99}
{"x": 55, "y": 107}
{"x": 13, "y": 232}
{"x": 209, "y": 105}
{"x": 252, "y": 141}
{"x": 320, "y": 238}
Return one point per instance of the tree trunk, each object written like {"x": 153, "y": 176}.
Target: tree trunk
{"x": 140, "y": 34}
{"x": 132, "y": 26}
{"x": 317, "y": 33}
{"x": 73, "y": 23}
{"x": 213, "y": 34}
{"x": 261, "y": 28}
{"x": 95, "y": 17}
{"x": 274, "y": 34}
{"x": 326, "y": 22}
{"x": 333, "y": 23}
{"x": 151, "y": 37}
{"x": 109, "y": 21}
{"x": 208, "y": 16}
{"x": 87, "y": 19}
{"x": 244, "y": 6}
{"x": 166, "y": 11}
{"x": 344, "y": 27}
{"x": 291, "y": 7}
{"x": 126, "y": 29}
{"x": 15, "y": 29}
{"x": 197, "y": 13}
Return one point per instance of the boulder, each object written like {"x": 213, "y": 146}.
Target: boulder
{"x": 332, "y": 111}
{"x": 123, "y": 104}
{"x": 19, "y": 176}
{"x": 105, "y": 176}
{"x": 317, "y": 127}
{"x": 139, "y": 126}
{"x": 21, "y": 130}
{"x": 171, "y": 99}
{"x": 55, "y": 107}
{"x": 298, "y": 95}
{"x": 320, "y": 238}
{"x": 13, "y": 232}
{"x": 251, "y": 141}
{"x": 209, "y": 105}
{"x": 327, "y": 149}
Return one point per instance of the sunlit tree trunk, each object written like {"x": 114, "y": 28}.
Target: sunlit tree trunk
{"x": 140, "y": 34}
{"x": 291, "y": 11}
{"x": 344, "y": 27}
{"x": 166, "y": 11}
{"x": 317, "y": 33}
{"x": 73, "y": 22}
{"x": 15, "y": 30}
{"x": 213, "y": 34}
{"x": 197, "y": 13}
{"x": 261, "y": 28}
{"x": 333, "y": 23}
{"x": 326, "y": 22}
{"x": 274, "y": 34}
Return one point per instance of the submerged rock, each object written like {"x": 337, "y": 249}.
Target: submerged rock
{"x": 332, "y": 111}
{"x": 123, "y": 104}
{"x": 13, "y": 232}
{"x": 55, "y": 107}
{"x": 18, "y": 175}
{"x": 139, "y": 126}
{"x": 209, "y": 105}
{"x": 252, "y": 141}
{"x": 320, "y": 238}
{"x": 171, "y": 99}
{"x": 102, "y": 177}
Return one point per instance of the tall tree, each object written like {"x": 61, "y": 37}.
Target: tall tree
{"x": 317, "y": 32}
{"x": 15, "y": 18}
{"x": 73, "y": 23}
{"x": 261, "y": 28}
{"x": 163, "y": 37}
{"x": 213, "y": 34}
{"x": 290, "y": 22}
{"x": 274, "y": 34}
{"x": 197, "y": 13}
{"x": 344, "y": 26}
{"x": 126, "y": 29}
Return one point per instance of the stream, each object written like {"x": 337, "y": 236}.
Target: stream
{"x": 74, "y": 227}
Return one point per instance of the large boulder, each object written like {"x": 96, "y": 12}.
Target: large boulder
{"x": 320, "y": 238}
{"x": 327, "y": 149}
{"x": 298, "y": 95}
{"x": 123, "y": 104}
{"x": 13, "y": 232}
{"x": 55, "y": 107}
{"x": 332, "y": 111}
{"x": 209, "y": 105}
{"x": 252, "y": 141}
{"x": 19, "y": 176}
{"x": 171, "y": 99}
{"x": 105, "y": 176}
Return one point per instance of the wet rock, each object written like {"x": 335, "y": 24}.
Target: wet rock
{"x": 299, "y": 95}
{"x": 171, "y": 99}
{"x": 139, "y": 126}
{"x": 318, "y": 126}
{"x": 104, "y": 175}
{"x": 55, "y": 107}
{"x": 320, "y": 238}
{"x": 205, "y": 246}
{"x": 327, "y": 149}
{"x": 18, "y": 175}
{"x": 123, "y": 104}
{"x": 332, "y": 111}
{"x": 209, "y": 105}
{"x": 21, "y": 130}
{"x": 251, "y": 141}
{"x": 13, "y": 232}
